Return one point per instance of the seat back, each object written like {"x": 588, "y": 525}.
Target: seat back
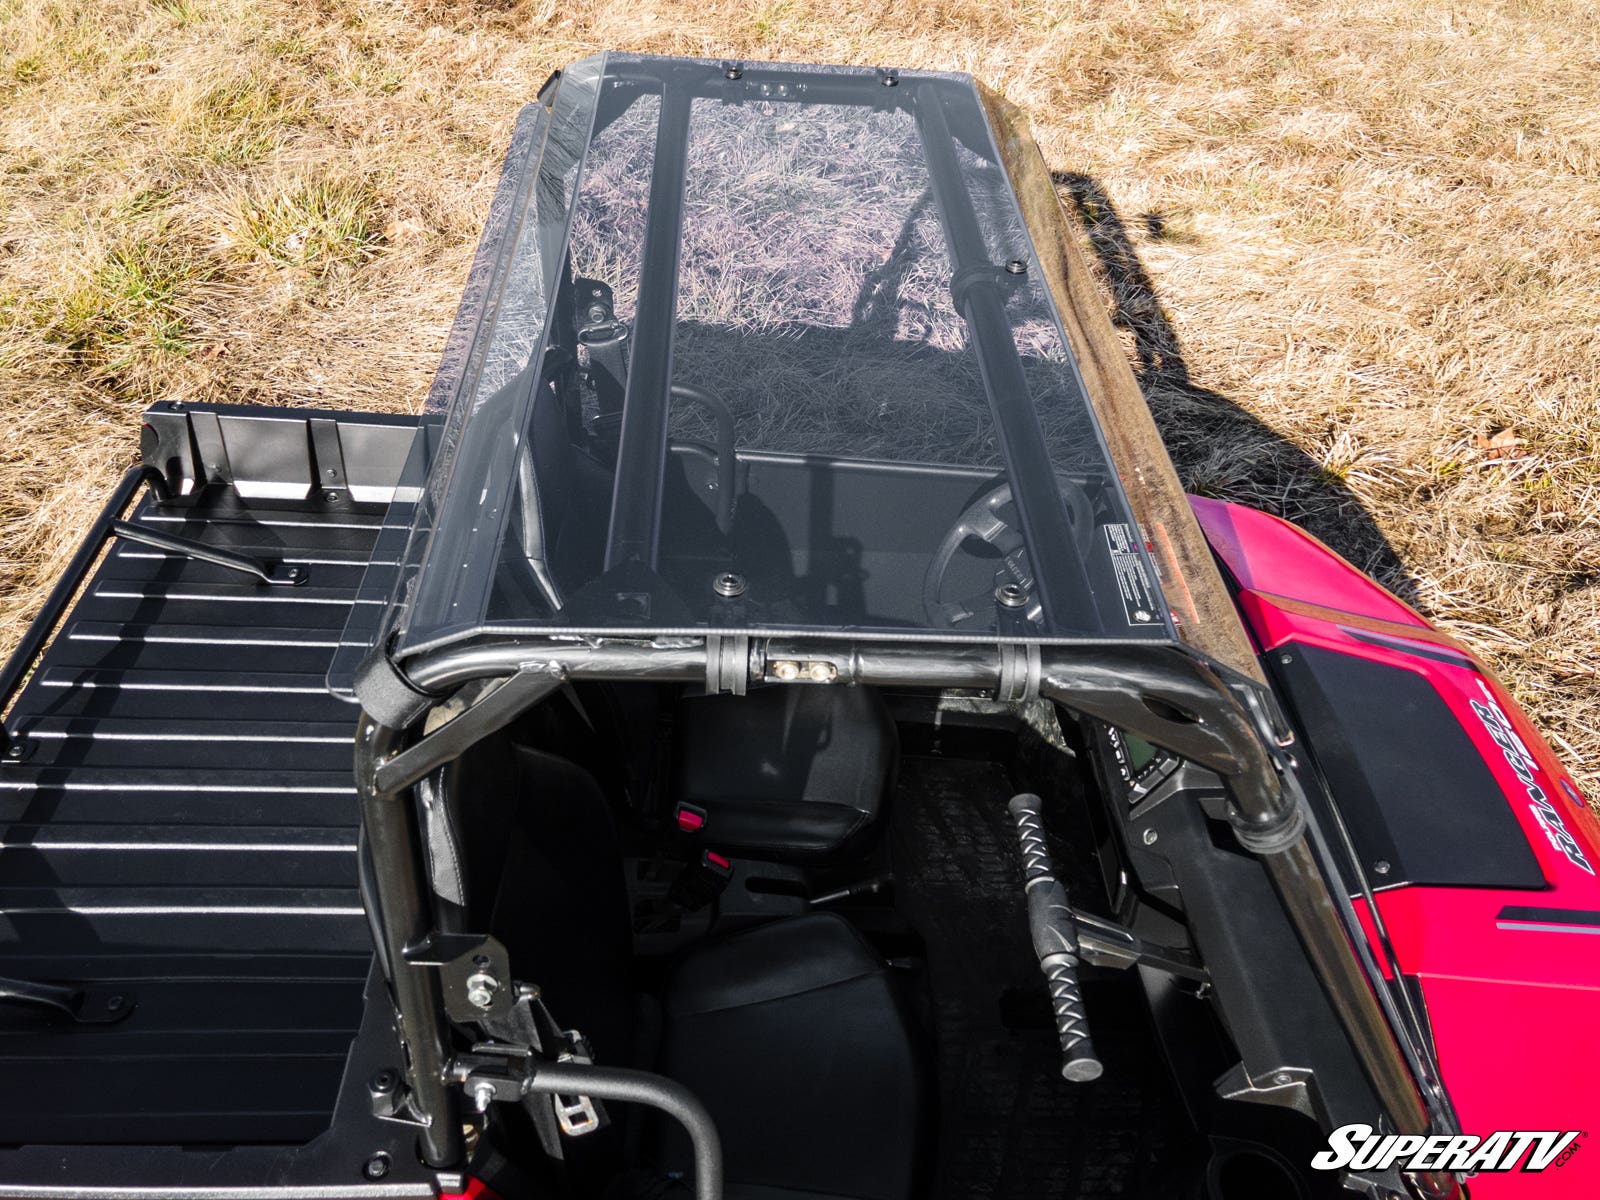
{"x": 549, "y": 885}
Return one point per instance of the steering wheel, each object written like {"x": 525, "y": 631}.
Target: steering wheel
{"x": 992, "y": 519}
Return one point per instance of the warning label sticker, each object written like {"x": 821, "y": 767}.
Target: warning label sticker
{"x": 1133, "y": 577}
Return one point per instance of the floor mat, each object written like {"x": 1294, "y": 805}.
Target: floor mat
{"x": 1009, "y": 1125}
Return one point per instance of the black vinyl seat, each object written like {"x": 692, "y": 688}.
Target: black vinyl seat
{"x": 794, "y": 1036}
{"x": 786, "y": 774}
{"x": 792, "y": 1033}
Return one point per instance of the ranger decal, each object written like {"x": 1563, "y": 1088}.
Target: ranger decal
{"x": 1499, "y": 728}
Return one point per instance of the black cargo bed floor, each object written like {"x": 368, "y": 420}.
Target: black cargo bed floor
{"x": 1009, "y": 1126}
{"x": 183, "y": 828}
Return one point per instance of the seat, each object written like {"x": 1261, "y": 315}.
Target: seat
{"x": 794, "y": 1036}
{"x": 786, "y": 774}
{"x": 793, "y": 1033}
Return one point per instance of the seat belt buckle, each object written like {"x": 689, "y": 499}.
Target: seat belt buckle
{"x": 580, "y": 1114}
{"x": 701, "y": 881}
{"x": 690, "y": 818}
{"x": 578, "y": 1117}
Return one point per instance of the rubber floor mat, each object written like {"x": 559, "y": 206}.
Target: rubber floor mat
{"x": 1009, "y": 1125}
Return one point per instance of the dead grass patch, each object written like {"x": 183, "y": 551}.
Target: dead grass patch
{"x": 1343, "y": 242}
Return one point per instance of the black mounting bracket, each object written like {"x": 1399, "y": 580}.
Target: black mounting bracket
{"x": 474, "y": 973}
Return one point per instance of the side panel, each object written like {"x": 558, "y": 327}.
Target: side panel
{"x": 1510, "y": 976}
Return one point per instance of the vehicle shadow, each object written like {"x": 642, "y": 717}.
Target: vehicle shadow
{"x": 1220, "y": 450}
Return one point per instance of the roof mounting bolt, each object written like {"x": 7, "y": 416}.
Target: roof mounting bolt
{"x": 376, "y": 1167}
{"x": 330, "y": 496}
{"x": 1283, "y": 1079}
{"x": 1017, "y": 266}
{"x": 1286, "y": 659}
{"x": 889, "y": 77}
{"x": 729, "y": 584}
{"x": 1150, "y": 836}
{"x": 482, "y": 1095}
{"x": 822, "y": 672}
{"x": 481, "y": 987}
{"x": 16, "y": 749}
{"x": 786, "y": 670}
{"x": 1381, "y": 866}
{"x": 1012, "y": 595}
{"x": 733, "y": 70}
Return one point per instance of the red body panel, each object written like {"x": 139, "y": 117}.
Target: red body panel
{"x": 1515, "y": 1011}
{"x": 475, "y": 1189}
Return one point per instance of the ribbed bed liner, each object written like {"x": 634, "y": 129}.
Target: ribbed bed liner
{"x": 1009, "y": 1126}
{"x": 184, "y": 826}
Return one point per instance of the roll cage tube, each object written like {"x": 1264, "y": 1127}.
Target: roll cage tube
{"x": 1166, "y": 694}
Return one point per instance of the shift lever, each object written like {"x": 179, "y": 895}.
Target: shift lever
{"x": 1055, "y": 941}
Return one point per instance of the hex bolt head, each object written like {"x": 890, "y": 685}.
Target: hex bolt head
{"x": 1017, "y": 266}
{"x": 729, "y": 584}
{"x": 786, "y": 670}
{"x": 733, "y": 71}
{"x": 1150, "y": 836}
{"x": 376, "y": 1167}
{"x": 1381, "y": 866}
{"x": 1283, "y": 1079}
{"x": 330, "y": 496}
{"x": 822, "y": 672}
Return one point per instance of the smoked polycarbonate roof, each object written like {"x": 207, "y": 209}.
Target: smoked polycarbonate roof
{"x": 766, "y": 349}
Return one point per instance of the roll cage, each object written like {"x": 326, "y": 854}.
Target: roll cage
{"x": 1188, "y": 684}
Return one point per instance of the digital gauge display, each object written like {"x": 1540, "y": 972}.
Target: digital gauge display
{"x": 1138, "y": 762}
{"x": 1140, "y": 753}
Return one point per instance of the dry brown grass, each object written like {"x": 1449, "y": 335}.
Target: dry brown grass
{"x": 1346, "y": 242}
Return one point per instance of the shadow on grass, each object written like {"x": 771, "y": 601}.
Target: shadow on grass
{"x": 1220, "y": 449}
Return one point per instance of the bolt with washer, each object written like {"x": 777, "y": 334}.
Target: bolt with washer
{"x": 481, "y": 987}
{"x": 482, "y": 1095}
{"x": 729, "y": 584}
{"x": 1012, "y": 595}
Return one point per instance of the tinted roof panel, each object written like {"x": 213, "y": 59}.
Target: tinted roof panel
{"x": 768, "y": 351}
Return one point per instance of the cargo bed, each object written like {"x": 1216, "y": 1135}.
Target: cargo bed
{"x": 179, "y": 827}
